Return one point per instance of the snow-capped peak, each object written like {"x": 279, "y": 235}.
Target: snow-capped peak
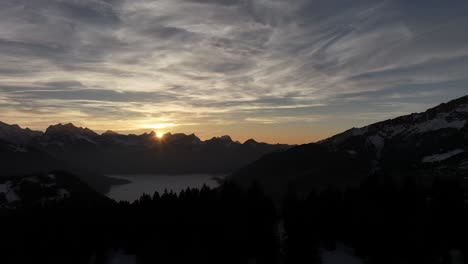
{"x": 451, "y": 115}
{"x": 411, "y": 140}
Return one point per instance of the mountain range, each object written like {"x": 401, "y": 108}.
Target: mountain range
{"x": 85, "y": 152}
{"x": 423, "y": 145}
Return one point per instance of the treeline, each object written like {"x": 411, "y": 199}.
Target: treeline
{"x": 195, "y": 226}
{"x": 384, "y": 221}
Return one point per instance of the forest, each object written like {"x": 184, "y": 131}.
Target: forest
{"x": 383, "y": 221}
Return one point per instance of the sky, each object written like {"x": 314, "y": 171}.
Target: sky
{"x": 287, "y": 71}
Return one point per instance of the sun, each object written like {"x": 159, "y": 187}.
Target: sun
{"x": 159, "y": 134}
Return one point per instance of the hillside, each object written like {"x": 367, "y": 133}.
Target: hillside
{"x": 425, "y": 145}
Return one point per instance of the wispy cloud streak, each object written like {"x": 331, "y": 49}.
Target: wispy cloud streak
{"x": 214, "y": 62}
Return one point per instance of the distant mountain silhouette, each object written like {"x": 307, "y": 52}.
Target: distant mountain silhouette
{"x": 428, "y": 144}
{"x": 18, "y": 160}
{"x": 113, "y": 153}
{"x": 17, "y": 135}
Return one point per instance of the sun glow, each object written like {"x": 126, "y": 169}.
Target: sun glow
{"x": 159, "y": 125}
{"x": 159, "y": 134}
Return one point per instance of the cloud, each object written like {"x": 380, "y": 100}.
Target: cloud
{"x": 216, "y": 61}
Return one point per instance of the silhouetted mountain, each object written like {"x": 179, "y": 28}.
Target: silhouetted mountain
{"x": 250, "y": 142}
{"x": 181, "y": 139}
{"x": 17, "y": 135}
{"x": 113, "y": 153}
{"x": 110, "y": 132}
{"x": 67, "y": 134}
{"x": 17, "y": 159}
{"x": 425, "y": 145}
{"x": 20, "y": 160}
{"x": 222, "y": 141}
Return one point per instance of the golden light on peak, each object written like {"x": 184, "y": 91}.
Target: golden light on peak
{"x": 159, "y": 134}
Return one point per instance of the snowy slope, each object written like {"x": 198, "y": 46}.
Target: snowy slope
{"x": 426, "y": 145}
{"x": 436, "y": 135}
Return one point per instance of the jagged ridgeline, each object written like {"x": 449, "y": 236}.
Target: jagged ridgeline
{"x": 91, "y": 155}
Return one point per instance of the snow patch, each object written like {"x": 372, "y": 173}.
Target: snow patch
{"x": 395, "y": 130}
{"x": 86, "y": 139}
{"x": 342, "y": 254}
{"x": 378, "y": 142}
{"x": 49, "y": 185}
{"x": 3, "y": 188}
{"x": 17, "y": 149}
{"x": 63, "y": 193}
{"x": 462, "y": 109}
{"x": 120, "y": 257}
{"x": 357, "y": 132}
{"x": 439, "y": 123}
{"x": 464, "y": 164}
{"x": 11, "y": 195}
{"x": 442, "y": 156}
{"x": 30, "y": 179}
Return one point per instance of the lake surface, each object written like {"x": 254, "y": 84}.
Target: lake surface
{"x": 149, "y": 183}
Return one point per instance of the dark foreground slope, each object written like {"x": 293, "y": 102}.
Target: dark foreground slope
{"x": 301, "y": 167}
{"x": 39, "y": 189}
{"x": 428, "y": 144}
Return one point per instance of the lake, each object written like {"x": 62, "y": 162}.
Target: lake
{"x": 149, "y": 183}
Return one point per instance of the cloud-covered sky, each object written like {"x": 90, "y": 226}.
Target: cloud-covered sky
{"x": 291, "y": 71}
